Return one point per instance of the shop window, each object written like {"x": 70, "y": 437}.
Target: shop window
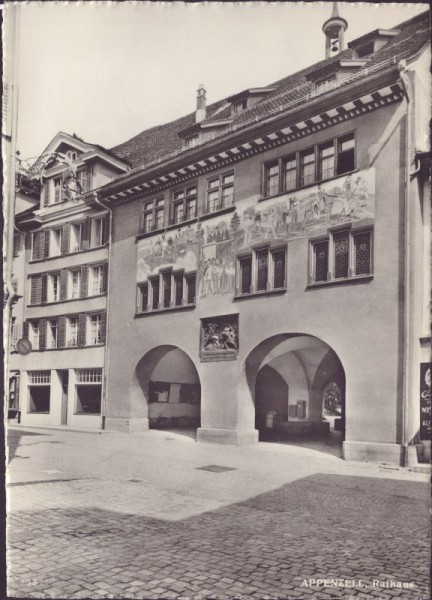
{"x": 39, "y": 391}
{"x": 343, "y": 255}
{"x": 261, "y": 271}
{"x": 88, "y": 391}
{"x": 220, "y": 192}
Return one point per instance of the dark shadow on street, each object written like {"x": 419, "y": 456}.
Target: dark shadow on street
{"x": 13, "y": 439}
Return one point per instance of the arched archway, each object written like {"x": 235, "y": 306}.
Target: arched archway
{"x": 171, "y": 387}
{"x": 286, "y": 375}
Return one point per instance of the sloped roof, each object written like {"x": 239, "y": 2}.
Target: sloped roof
{"x": 156, "y": 143}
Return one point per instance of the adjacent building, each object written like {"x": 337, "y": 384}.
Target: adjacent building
{"x": 61, "y": 264}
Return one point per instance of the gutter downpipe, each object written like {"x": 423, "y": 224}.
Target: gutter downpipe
{"x": 407, "y": 88}
{"x": 9, "y": 172}
{"x": 106, "y": 353}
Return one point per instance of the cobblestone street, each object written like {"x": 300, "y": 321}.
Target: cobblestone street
{"x": 151, "y": 516}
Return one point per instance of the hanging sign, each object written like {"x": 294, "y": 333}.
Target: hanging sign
{"x": 425, "y": 401}
{"x": 24, "y": 346}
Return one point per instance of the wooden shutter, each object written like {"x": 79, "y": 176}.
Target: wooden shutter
{"x": 45, "y": 194}
{"x": 63, "y": 193}
{"x": 84, "y": 281}
{"x": 25, "y": 329}
{"x": 65, "y": 239}
{"x": 103, "y": 328}
{"x": 104, "y": 278}
{"x": 45, "y": 238}
{"x": 43, "y": 289}
{"x": 81, "y": 338}
{"x": 42, "y": 334}
{"x": 85, "y": 236}
{"x": 37, "y": 245}
{"x": 35, "y": 290}
{"x": 63, "y": 284}
{"x": 61, "y": 334}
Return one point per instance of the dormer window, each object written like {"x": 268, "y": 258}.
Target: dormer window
{"x": 239, "y": 107}
{"x": 192, "y": 141}
{"x": 325, "y": 84}
{"x": 71, "y": 154}
{"x": 365, "y": 50}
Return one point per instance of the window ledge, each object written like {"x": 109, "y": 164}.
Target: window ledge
{"x": 92, "y": 249}
{"x": 216, "y": 213}
{"x": 158, "y": 311}
{"x": 277, "y": 292}
{"x": 184, "y": 223}
{"x": 305, "y": 187}
{"x": 70, "y": 348}
{"x": 66, "y": 300}
{"x": 335, "y": 282}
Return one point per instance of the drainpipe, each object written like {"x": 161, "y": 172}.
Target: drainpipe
{"x": 407, "y": 88}
{"x": 106, "y": 353}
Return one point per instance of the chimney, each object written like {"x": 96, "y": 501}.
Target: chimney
{"x": 200, "y": 113}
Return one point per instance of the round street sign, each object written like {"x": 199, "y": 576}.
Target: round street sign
{"x": 24, "y": 346}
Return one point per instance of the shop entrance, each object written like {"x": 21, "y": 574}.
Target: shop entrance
{"x": 298, "y": 386}
{"x": 171, "y": 385}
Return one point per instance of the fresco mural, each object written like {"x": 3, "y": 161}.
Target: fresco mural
{"x": 210, "y": 247}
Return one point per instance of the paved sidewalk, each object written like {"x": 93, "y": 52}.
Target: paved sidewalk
{"x": 113, "y": 515}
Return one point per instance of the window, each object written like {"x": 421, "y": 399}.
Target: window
{"x": 167, "y": 290}
{"x": 343, "y": 255}
{"x": 319, "y": 163}
{"x": 262, "y": 270}
{"x": 71, "y": 332}
{"x": 74, "y": 284}
{"x": 34, "y": 335}
{"x": 192, "y": 141}
{"x": 71, "y": 154}
{"x": 346, "y": 157}
{"x": 239, "y": 106}
{"x": 220, "y": 192}
{"x": 326, "y": 157}
{"x": 39, "y": 391}
{"x": 365, "y": 50}
{"x": 290, "y": 173}
{"x": 325, "y": 84}
{"x": 52, "y": 333}
{"x": 152, "y": 217}
{"x": 76, "y": 232}
{"x": 83, "y": 180}
{"x": 58, "y": 189}
{"x": 307, "y": 167}
{"x": 95, "y": 330}
{"x": 96, "y": 283}
{"x": 88, "y": 391}
{"x": 55, "y": 243}
{"x": 98, "y": 232}
{"x": 184, "y": 204}
{"x": 53, "y": 287}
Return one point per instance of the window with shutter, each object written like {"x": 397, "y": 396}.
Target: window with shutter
{"x": 35, "y": 289}
{"x": 85, "y": 234}
{"x": 26, "y": 329}
{"x": 104, "y": 283}
{"x": 64, "y": 284}
{"x": 81, "y": 330}
{"x": 42, "y": 334}
{"x": 43, "y": 289}
{"x": 65, "y": 239}
{"x": 61, "y": 335}
{"x": 103, "y": 328}
{"x": 84, "y": 281}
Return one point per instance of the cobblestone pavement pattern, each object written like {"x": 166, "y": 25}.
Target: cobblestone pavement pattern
{"x": 139, "y": 531}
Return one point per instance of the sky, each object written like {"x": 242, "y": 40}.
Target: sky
{"x": 107, "y": 71}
